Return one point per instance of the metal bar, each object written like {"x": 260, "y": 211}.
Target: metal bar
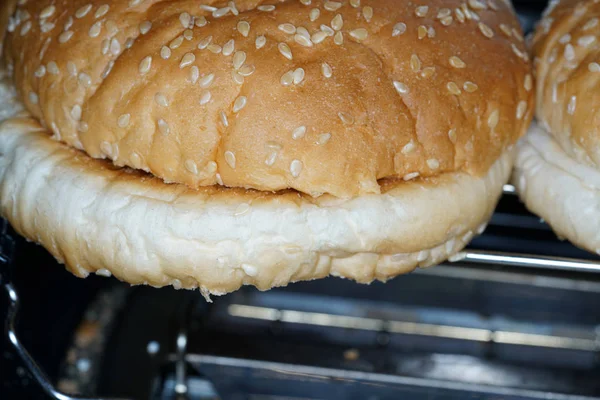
{"x": 527, "y": 261}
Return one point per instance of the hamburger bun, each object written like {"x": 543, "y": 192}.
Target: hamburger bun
{"x": 556, "y": 172}
{"x": 164, "y": 143}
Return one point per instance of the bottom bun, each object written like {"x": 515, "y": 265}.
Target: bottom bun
{"x": 97, "y": 218}
{"x": 564, "y": 192}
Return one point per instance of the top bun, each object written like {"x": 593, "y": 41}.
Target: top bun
{"x": 567, "y": 67}
{"x": 318, "y": 96}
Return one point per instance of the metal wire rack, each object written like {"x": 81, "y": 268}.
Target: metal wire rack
{"x": 473, "y": 256}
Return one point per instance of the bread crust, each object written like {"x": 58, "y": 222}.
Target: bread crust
{"x": 95, "y": 217}
{"x": 120, "y": 79}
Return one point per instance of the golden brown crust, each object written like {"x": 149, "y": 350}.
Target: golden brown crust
{"x": 566, "y": 52}
{"x": 88, "y": 78}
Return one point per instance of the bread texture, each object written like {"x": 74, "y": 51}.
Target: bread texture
{"x": 559, "y": 188}
{"x": 95, "y": 217}
{"x": 566, "y": 61}
{"x": 323, "y": 97}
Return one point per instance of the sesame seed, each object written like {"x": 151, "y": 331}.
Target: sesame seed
{"x": 326, "y": 70}
{"x": 521, "y": 108}
{"x": 95, "y": 29}
{"x": 271, "y": 158}
{"x": 214, "y": 48}
{"x": 433, "y": 163}
{"x": 359, "y": 34}
{"x": 517, "y": 34}
{"x": 135, "y": 160}
{"x": 83, "y": 11}
{"x": 569, "y": 52}
{"x": 318, "y": 37}
{"x": 161, "y": 99}
{"x": 287, "y": 79}
{"x": 452, "y": 135}
{"x": 355, "y": 3}
{"x": 47, "y": 27}
{"x": 85, "y": 80}
{"x": 594, "y": 67}
{"x": 115, "y": 46}
{"x": 285, "y": 50}
{"x": 521, "y": 54}
{"x": 528, "y": 84}
{"x": 332, "y": 5}
{"x": 206, "y": 81}
{"x": 287, "y": 28}
{"x": 470, "y": 87}
{"x": 246, "y": 70}
{"x": 346, "y": 118}
{"x": 243, "y": 28}
{"x": 298, "y": 76}
{"x": 76, "y": 112}
{"x": 105, "y": 46}
{"x": 477, "y": 5}
{"x": 188, "y": 34}
{"x": 493, "y": 119}
{"x": 239, "y": 103}
{"x": 447, "y": 21}
{"x": 106, "y": 148}
{"x": 460, "y": 16}
{"x": 323, "y": 138}
{"x": 592, "y": 23}
{"x": 314, "y": 14}
{"x": 237, "y": 78}
{"x": 186, "y": 60}
{"x": 221, "y": 12}
{"x": 133, "y": 3}
{"x": 408, "y": 148}
{"x": 266, "y": 8}
{"x": 486, "y": 30}
{"x": 218, "y": 179}
{"x": 71, "y": 68}
{"x": 410, "y": 176}
{"x": 208, "y": 8}
{"x": 101, "y": 11}
{"x": 585, "y": 41}
{"x": 123, "y": 120}
{"x": 260, "y": 42}
{"x": 303, "y": 40}
{"x": 228, "y": 47}
{"x": 295, "y": 168}
{"x": 165, "y": 52}
{"x": 421, "y": 11}
{"x": 202, "y": 44}
{"x": 398, "y": 29}
{"x": 400, "y": 87}
{"x": 163, "y": 127}
{"x": 185, "y": 19}
{"x": 338, "y": 38}
{"x": 47, "y": 11}
{"x": 129, "y": 42}
{"x": 230, "y": 159}
{"x": 430, "y": 32}
{"x": 205, "y": 97}
{"x": 299, "y": 132}
{"x": 239, "y": 58}
{"x": 572, "y": 104}
{"x": 327, "y": 30}
{"x": 337, "y": 22}
{"x": 457, "y": 62}
{"x": 200, "y": 21}
{"x": 453, "y": 88}
{"x": 367, "y": 13}
{"x": 145, "y": 27}
{"x": 63, "y": 38}
{"x": 224, "y": 119}
{"x": 443, "y": 12}
{"x": 564, "y": 39}
{"x": 427, "y": 72}
{"x": 233, "y": 8}
{"x": 191, "y": 166}
{"x": 415, "y": 63}
{"x": 194, "y": 74}
{"x": 33, "y": 98}
{"x": 107, "y": 70}
{"x": 40, "y": 71}
{"x": 145, "y": 65}
{"x": 211, "y": 167}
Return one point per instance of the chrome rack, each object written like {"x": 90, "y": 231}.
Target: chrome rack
{"x": 7, "y": 246}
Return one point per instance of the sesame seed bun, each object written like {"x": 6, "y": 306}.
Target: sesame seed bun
{"x": 317, "y": 96}
{"x": 556, "y": 172}
{"x": 566, "y": 52}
